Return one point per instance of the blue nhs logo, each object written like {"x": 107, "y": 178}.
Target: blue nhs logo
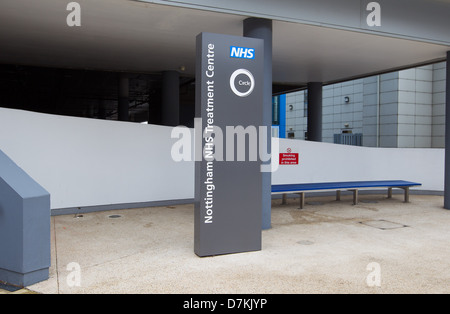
{"x": 242, "y": 53}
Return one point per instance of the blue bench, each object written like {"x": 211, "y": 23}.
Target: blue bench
{"x": 302, "y": 188}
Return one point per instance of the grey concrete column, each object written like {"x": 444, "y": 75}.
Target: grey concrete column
{"x": 170, "y": 102}
{"x": 262, "y": 29}
{"x": 447, "y": 138}
{"x": 124, "y": 97}
{"x": 315, "y": 112}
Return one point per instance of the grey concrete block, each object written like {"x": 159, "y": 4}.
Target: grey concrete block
{"x": 24, "y": 226}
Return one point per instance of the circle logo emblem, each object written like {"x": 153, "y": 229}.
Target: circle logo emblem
{"x": 242, "y": 82}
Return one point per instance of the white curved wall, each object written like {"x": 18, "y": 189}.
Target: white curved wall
{"x": 87, "y": 162}
{"x": 323, "y": 162}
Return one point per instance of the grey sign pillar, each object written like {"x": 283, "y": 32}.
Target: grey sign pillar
{"x": 315, "y": 112}
{"x": 170, "y": 98}
{"x": 447, "y": 138}
{"x": 24, "y": 227}
{"x": 228, "y": 177}
{"x": 262, "y": 29}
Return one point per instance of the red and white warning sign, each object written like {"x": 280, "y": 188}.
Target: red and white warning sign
{"x": 289, "y": 158}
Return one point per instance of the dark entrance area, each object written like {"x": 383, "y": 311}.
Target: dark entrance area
{"x": 89, "y": 94}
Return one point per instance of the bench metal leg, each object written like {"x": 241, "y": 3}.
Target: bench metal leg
{"x": 406, "y": 189}
{"x": 389, "y": 192}
{"x": 284, "y": 201}
{"x": 338, "y": 195}
{"x": 302, "y": 200}
{"x": 355, "y": 197}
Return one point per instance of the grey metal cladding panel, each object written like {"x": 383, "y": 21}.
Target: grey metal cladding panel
{"x": 424, "y": 20}
{"x": 18, "y": 179}
{"x": 10, "y": 228}
{"x": 24, "y": 220}
{"x": 36, "y": 234}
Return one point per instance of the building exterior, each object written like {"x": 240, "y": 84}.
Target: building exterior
{"x": 78, "y": 77}
{"x": 404, "y": 109}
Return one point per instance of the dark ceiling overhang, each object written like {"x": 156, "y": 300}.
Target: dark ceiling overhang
{"x": 131, "y": 36}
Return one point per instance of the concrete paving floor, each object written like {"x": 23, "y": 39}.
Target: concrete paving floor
{"x": 379, "y": 246}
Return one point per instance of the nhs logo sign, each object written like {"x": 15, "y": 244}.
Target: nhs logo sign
{"x": 242, "y": 53}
